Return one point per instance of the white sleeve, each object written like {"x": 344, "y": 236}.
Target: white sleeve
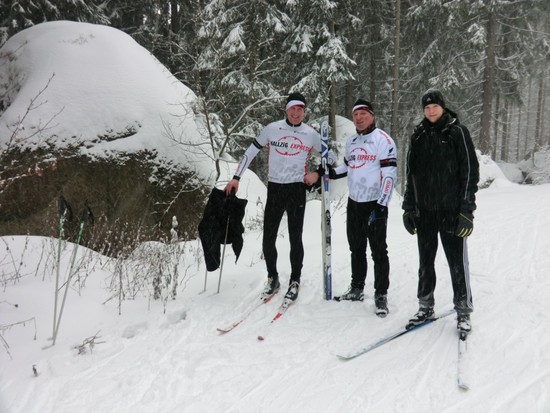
{"x": 388, "y": 170}
{"x": 331, "y": 157}
{"x": 261, "y": 141}
{"x": 247, "y": 158}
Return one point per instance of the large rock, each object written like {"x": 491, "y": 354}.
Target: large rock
{"x": 87, "y": 113}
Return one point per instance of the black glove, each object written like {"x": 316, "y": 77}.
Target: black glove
{"x": 409, "y": 221}
{"x": 465, "y": 224}
{"x": 320, "y": 170}
{"x": 379, "y": 212}
{"x": 331, "y": 172}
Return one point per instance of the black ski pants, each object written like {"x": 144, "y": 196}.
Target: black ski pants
{"x": 281, "y": 198}
{"x": 359, "y": 233}
{"x": 430, "y": 224}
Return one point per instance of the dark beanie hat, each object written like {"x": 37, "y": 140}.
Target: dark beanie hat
{"x": 294, "y": 99}
{"x": 433, "y": 97}
{"x": 363, "y": 104}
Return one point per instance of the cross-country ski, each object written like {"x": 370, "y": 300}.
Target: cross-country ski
{"x": 326, "y": 218}
{"x": 257, "y": 304}
{"x": 391, "y": 336}
{"x": 280, "y": 312}
{"x": 460, "y": 374}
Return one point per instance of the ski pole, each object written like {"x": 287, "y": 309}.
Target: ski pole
{"x": 227, "y": 209}
{"x": 85, "y": 217}
{"x": 223, "y": 253}
{"x": 64, "y": 208}
{"x": 205, "y": 280}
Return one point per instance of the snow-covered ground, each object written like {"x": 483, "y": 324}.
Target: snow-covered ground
{"x": 174, "y": 361}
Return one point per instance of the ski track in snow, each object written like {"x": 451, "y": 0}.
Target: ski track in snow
{"x": 151, "y": 362}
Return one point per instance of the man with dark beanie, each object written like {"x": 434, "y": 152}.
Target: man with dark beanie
{"x": 439, "y": 199}
{"x": 370, "y": 163}
{"x": 290, "y": 143}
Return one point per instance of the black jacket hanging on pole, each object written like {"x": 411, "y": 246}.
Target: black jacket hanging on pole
{"x": 222, "y": 213}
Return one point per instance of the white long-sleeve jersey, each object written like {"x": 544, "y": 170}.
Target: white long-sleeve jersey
{"x": 370, "y": 162}
{"x": 289, "y": 147}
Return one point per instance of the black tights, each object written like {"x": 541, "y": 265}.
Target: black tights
{"x": 359, "y": 233}
{"x": 281, "y": 198}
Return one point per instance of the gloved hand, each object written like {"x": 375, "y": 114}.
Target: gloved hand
{"x": 465, "y": 224}
{"x": 409, "y": 221}
{"x": 320, "y": 170}
{"x": 331, "y": 172}
{"x": 379, "y": 212}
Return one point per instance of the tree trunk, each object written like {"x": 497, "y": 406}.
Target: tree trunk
{"x": 504, "y": 149}
{"x": 174, "y": 17}
{"x": 350, "y": 97}
{"x": 488, "y": 85}
{"x": 527, "y": 148}
{"x": 518, "y": 139}
{"x": 351, "y": 85}
{"x": 332, "y": 95}
{"x": 539, "y": 141}
{"x": 372, "y": 71}
{"x": 395, "y": 86}
{"x": 494, "y": 145}
{"x": 332, "y": 112}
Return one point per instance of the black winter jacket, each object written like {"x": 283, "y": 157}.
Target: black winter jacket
{"x": 442, "y": 167}
{"x": 221, "y": 224}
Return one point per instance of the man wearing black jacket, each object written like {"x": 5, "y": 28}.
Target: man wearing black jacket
{"x": 439, "y": 199}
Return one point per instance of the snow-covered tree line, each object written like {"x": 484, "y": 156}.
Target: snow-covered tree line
{"x": 490, "y": 58}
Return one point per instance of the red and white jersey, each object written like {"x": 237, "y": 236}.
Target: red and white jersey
{"x": 289, "y": 148}
{"x": 370, "y": 161}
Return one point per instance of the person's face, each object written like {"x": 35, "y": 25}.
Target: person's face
{"x": 433, "y": 112}
{"x": 362, "y": 119}
{"x": 295, "y": 114}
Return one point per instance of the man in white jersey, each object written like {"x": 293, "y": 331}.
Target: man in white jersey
{"x": 290, "y": 143}
{"x": 370, "y": 163}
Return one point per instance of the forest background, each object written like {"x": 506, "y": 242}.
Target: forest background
{"x": 490, "y": 58}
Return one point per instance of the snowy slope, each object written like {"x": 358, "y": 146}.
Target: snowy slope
{"x": 151, "y": 361}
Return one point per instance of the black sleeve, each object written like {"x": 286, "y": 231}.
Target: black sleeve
{"x": 409, "y": 197}
{"x": 469, "y": 169}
